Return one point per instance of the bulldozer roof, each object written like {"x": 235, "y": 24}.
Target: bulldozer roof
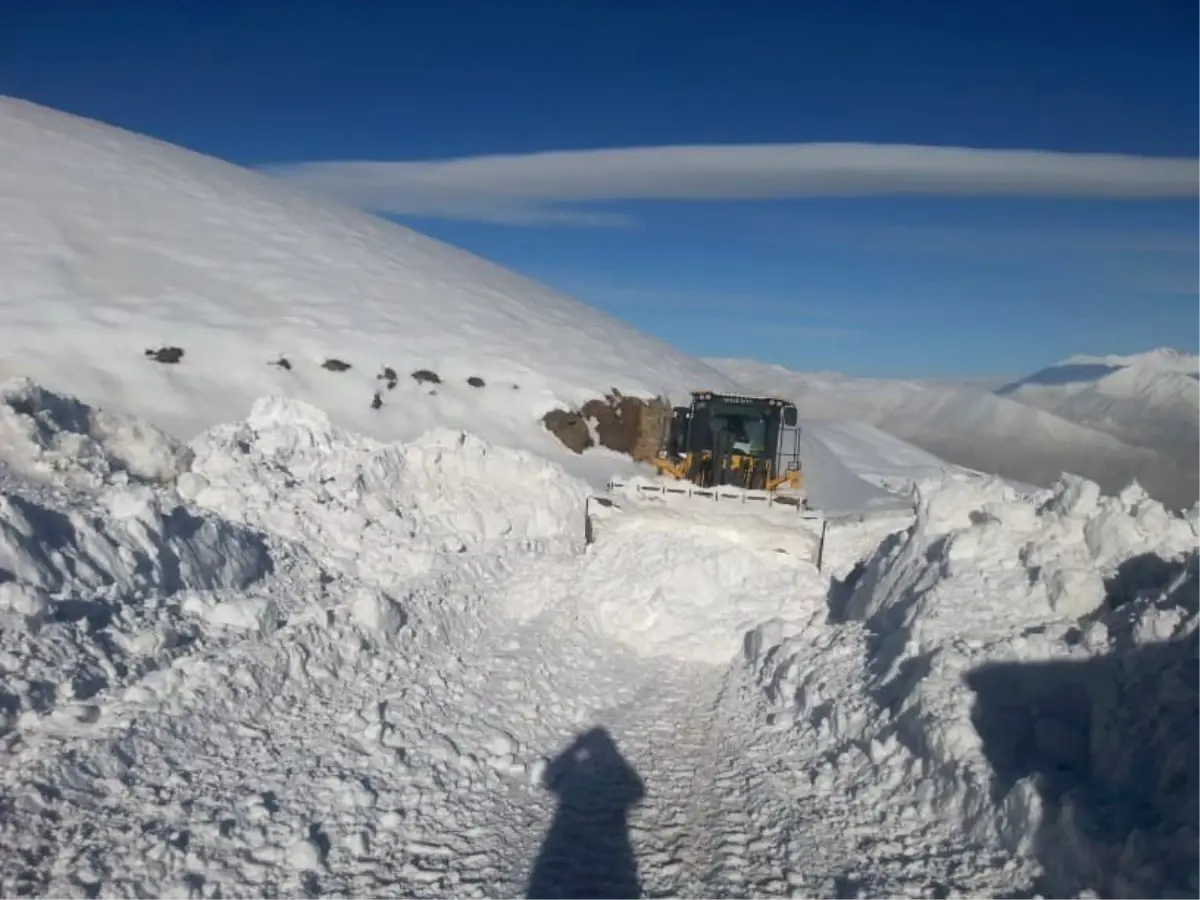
{"x": 740, "y": 398}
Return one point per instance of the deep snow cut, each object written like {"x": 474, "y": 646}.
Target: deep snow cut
{"x": 324, "y": 659}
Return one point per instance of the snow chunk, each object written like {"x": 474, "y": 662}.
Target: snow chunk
{"x": 43, "y": 433}
{"x": 376, "y": 612}
{"x": 85, "y": 587}
{"x": 381, "y": 510}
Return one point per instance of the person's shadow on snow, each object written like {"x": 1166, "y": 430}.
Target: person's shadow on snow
{"x": 587, "y": 852}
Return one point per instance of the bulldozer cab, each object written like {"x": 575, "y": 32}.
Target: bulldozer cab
{"x": 730, "y": 439}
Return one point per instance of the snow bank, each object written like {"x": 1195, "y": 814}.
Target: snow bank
{"x": 380, "y": 511}
{"x": 47, "y": 434}
{"x": 91, "y": 596}
{"x": 1002, "y": 672}
{"x": 98, "y": 587}
{"x": 994, "y": 655}
{"x": 879, "y": 458}
{"x": 1110, "y": 742}
{"x": 834, "y": 488}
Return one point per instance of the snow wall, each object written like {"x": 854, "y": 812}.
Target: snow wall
{"x": 1023, "y": 665}
{"x": 834, "y": 488}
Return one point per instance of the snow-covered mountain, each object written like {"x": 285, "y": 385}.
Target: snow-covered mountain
{"x": 1148, "y": 400}
{"x": 113, "y": 244}
{"x": 976, "y": 428}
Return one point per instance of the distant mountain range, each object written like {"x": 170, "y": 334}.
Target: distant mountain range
{"x": 1112, "y": 419}
{"x": 1149, "y": 400}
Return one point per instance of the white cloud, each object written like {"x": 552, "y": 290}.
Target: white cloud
{"x": 527, "y": 189}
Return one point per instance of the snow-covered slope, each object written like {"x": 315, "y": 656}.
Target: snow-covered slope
{"x": 1148, "y": 400}
{"x": 974, "y": 428}
{"x": 112, "y": 244}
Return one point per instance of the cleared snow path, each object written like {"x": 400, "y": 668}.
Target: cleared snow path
{"x": 261, "y": 769}
{"x": 265, "y": 767}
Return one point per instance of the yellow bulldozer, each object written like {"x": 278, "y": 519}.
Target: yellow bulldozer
{"x": 731, "y": 446}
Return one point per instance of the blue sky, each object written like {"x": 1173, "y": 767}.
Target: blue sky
{"x": 952, "y": 280}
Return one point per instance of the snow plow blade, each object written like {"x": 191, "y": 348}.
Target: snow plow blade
{"x": 792, "y": 502}
{"x": 753, "y": 519}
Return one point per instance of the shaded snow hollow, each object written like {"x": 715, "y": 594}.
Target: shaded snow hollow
{"x": 289, "y": 659}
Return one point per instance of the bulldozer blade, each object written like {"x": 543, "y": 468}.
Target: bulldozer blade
{"x": 720, "y": 494}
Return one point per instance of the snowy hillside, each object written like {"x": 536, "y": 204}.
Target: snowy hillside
{"x": 114, "y": 244}
{"x": 974, "y": 428}
{"x": 1148, "y": 400}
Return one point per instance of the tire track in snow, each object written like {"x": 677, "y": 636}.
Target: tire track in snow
{"x": 696, "y": 834}
{"x": 276, "y": 745}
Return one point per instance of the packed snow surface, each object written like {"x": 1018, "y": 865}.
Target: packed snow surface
{"x": 113, "y": 244}
{"x": 289, "y": 659}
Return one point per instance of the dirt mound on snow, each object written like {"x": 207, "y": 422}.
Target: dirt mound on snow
{"x": 629, "y": 425}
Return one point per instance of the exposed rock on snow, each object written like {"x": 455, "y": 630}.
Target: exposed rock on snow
{"x": 570, "y": 428}
{"x": 424, "y": 376}
{"x": 168, "y": 355}
{"x": 631, "y": 426}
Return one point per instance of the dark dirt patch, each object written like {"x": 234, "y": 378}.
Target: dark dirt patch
{"x": 628, "y": 425}
{"x": 168, "y": 355}
{"x": 568, "y": 427}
